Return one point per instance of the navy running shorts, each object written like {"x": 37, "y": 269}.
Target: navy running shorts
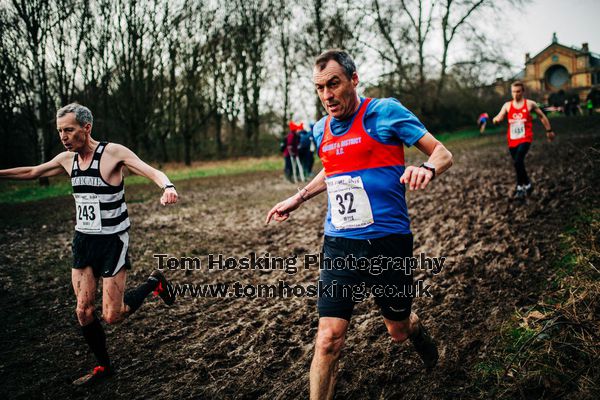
{"x": 349, "y": 266}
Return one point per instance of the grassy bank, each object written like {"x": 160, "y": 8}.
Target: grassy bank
{"x": 552, "y": 349}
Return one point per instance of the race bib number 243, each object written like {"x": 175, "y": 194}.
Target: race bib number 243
{"x": 87, "y": 212}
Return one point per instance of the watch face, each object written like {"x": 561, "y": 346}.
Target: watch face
{"x": 429, "y": 165}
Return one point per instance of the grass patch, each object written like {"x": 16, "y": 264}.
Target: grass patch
{"x": 552, "y": 349}
{"x": 23, "y": 191}
{"x": 469, "y": 134}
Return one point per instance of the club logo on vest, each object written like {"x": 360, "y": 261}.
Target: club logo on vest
{"x": 86, "y": 181}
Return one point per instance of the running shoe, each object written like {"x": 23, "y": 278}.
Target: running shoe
{"x": 425, "y": 347}
{"x": 168, "y": 296}
{"x": 520, "y": 192}
{"x": 97, "y": 375}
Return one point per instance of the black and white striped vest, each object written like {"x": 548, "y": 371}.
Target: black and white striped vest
{"x": 100, "y": 207}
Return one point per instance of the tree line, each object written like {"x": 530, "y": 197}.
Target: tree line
{"x": 188, "y": 80}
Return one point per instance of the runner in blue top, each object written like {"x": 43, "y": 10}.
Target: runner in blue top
{"x": 388, "y": 125}
{"x": 361, "y": 144}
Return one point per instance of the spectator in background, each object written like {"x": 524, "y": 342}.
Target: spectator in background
{"x": 306, "y": 150}
{"x": 291, "y": 150}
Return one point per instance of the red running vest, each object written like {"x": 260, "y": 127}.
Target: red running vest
{"x": 519, "y": 125}
{"x": 356, "y": 150}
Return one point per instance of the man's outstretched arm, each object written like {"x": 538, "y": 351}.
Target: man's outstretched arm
{"x": 282, "y": 210}
{"x": 418, "y": 177}
{"x": 139, "y": 167}
{"x": 54, "y": 167}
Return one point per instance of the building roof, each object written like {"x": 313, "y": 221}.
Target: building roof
{"x": 561, "y": 46}
{"x": 519, "y": 75}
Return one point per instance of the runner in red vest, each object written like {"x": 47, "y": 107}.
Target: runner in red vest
{"x": 520, "y": 133}
{"x": 361, "y": 144}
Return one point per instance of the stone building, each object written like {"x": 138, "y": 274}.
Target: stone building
{"x": 558, "y": 71}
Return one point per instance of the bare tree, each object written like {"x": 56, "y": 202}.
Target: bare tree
{"x": 253, "y": 24}
{"x": 97, "y": 66}
{"x": 136, "y": 48}
{"x": 455, "y": 15}
{"x": 35, "y": 23}
{"x": 67, "y": 40}
{"x": 329, "y": 25}
{"x": 287, "y": 54}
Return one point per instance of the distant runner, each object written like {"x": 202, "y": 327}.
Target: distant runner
{"x": 101, "y": 240}
{"x": 482, "y": 121}
{"x": 520, "y": 133}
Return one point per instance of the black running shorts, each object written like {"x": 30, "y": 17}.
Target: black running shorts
{"x": 106, "y": 254}
{"x": 337, "y": 299}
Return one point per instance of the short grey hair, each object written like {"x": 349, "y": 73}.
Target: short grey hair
{"x": 83, "y": 115}
{"x": 341, "y": 57}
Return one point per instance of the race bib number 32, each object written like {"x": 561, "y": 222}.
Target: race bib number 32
{"x": 350, "y": 206}
{"x": 517, "y": 130}
{"x": 87, "y": 212}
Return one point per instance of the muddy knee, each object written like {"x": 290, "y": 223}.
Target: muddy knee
{"x": 329, "y": 342}
{"x": 85, "y": 314}
{"x": 113, "y": 316}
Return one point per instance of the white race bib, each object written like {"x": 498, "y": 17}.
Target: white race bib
{"x": 350, "y": 206}
{"x": 517, "y": 130}
{"x": 87, "y": 213}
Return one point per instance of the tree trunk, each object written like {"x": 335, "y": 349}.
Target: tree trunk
{"x": 187, "y": 148}
{"x": 218, "y": 127}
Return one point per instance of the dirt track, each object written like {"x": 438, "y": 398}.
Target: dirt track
{"x": 498, "y": 254}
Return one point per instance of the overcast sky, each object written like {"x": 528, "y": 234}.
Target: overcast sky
{"x": 574, "y": 22}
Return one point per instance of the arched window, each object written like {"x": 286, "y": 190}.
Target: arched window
{"x": 557, "y": 77}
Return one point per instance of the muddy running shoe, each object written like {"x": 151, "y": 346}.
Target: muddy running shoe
{"x": 520, "y": 192}
{"x": 426, "y": 347}
{"x": 161, "y": 288}
{"x": 528, "y": 189}
{"x": 97, "y": 375}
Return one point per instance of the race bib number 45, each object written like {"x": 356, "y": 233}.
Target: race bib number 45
{"x": 350, "y": 206}
{"x": 517, "y": 130}
{"x": 87, "y": 212}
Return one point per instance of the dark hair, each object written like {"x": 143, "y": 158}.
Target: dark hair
{"x": 339, "y": 56}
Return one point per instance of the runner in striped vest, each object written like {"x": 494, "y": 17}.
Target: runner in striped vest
{"x": 88, "y": 186}
{"x": 101, "y": 236}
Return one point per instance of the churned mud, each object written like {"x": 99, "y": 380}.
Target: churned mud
{"x": 498, "y": 257}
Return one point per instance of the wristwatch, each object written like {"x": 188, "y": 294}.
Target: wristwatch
{"x": 168, "y": 186}
{"x": 429, "y": 166}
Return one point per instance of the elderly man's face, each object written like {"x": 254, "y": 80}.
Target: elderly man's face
{"x": 72, "y": 135}
{"x": 336, "y": 91}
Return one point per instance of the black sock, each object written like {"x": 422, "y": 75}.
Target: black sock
{"x": 135, "y": 297}
{"x": 96, "y": 339}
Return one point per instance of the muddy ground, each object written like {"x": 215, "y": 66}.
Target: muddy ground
{"x": 499, "y": 254}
